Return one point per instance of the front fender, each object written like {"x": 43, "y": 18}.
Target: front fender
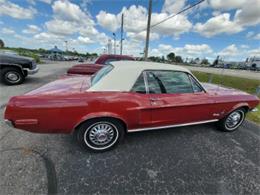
{"x": 239, "y": 105}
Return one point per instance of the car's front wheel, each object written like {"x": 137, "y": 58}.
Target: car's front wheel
{"x": 100, "y": 134}
{"x": 12, "y": 76}
{"x": 233, "y": 120}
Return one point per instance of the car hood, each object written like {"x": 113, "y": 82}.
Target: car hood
{"x": 64, "y": 85}
{"x": 220, "y": 90}
{"x": 14, "y": 59}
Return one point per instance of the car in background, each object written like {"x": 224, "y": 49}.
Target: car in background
{"x": 125, "y": 97}
{"x": 91, "y": 68}
{"x": 14, "y": 68}
{"x": 81, "y": 59}
{"x": 253, "y": 63}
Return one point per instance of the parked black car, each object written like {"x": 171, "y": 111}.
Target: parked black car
{"x": 14, "y": 68}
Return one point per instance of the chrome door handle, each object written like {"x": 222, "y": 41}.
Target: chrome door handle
{"x": 154, "y": 99}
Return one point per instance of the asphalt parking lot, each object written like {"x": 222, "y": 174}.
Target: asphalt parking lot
{"x": 187, "y": 160}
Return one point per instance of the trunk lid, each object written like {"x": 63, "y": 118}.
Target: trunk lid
{"x": 65, "y": 85}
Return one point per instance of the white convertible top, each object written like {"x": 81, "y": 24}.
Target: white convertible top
{"x": 125, "y": 73}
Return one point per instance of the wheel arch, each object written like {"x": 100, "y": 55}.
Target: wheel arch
{"x": 243, "y": 105}
{"x": 100, "y": 116}
{"x": 17, "y": 66}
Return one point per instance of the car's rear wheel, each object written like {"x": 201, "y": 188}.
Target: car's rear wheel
{"x": 233, "y": 120}
{"x": 100, "y": 134}
{"x": 12, "y": 76}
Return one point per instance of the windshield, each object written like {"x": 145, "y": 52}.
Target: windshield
{"x": 101, "y": 73}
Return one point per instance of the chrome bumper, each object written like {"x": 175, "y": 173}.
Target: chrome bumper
{"x": 33, "y": 71}
{"x": 9, "y": 123}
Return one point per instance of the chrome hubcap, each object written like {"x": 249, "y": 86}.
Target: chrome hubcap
{"x": 101, "y": 134}
{"x": 234, "y": 119}
{"x": 12, "y": 76}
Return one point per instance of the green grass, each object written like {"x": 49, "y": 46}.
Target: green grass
{"x": 243, "y": 84}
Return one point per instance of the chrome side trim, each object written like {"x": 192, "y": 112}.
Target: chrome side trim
{"x": 170, "y": 126}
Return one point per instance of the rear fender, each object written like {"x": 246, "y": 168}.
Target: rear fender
{"x": 99, "y": 115}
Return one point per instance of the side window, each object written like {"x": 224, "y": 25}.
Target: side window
{"x": 155, "y": 85}
{"x": 195, "y": 85}
{"x": 172, "y": 82}
{"x": 139, "y": 86}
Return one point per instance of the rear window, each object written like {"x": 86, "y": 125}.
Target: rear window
{"x": 101, "y": 73}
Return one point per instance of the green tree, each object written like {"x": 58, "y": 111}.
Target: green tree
{"x": 163, "y": 59}
{"x": 2, "y": 44}
{"x": 171, "y": 57}
{"x": 178, "y": 59}
{"x": 205, "y": 61}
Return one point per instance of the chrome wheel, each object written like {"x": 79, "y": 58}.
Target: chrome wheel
{"x": 234, "y": 120}
{"x": 12, "y": 77}
{"x": 101, "y": 135}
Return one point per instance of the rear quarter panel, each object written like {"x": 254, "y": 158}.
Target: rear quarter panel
{"x": 61, "y": 114}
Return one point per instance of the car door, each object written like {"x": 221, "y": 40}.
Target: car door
{"x": 141, "y": 110}
{"x": 177, "y": 98}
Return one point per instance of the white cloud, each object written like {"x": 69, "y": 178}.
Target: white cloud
{"x": 7, "y": 31}
{"x": 61, "y": 27}
{"x": 135, "y": 21}
{"x": 246, "y": 14}
{"x": 226, "y": 4}
{"x": 197, "y": 49}
{"x": 108, "y": 21}
{"x": 16, "y": 11}
{"x": 254, "y": 52}
{"x": 142, "y": 36}
{"x": 84, "y": 40}
{"x": 65, "y": 10}
{"x": 189, "y": 50}
{"x": 217, "y": 25}
{"x": 249, "y": 14}
{"x": 31, "y": 29}
{"x": 69, "y": 19}
{"x": 173, "y": 6}
{"x": 253, "y": 35}
{"x": 46, "y": 1}
{"x": 230, "y": 50}
{"x": 33, "y": 2}
{"x": 173, "y": 27}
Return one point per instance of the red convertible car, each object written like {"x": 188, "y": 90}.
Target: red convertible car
{"x": 102, "y": 108}
{"x": 101, "y": 61}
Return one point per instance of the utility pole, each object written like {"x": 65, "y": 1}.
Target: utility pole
{"x": 122, "y": 32}
{"x": 148, "y": 30}
{"x": 66, "y": 44}
{"x": 114, "y": 34}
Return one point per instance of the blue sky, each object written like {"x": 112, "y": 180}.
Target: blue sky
{"x": 229, "y": 28}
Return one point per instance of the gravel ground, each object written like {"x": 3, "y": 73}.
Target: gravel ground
{"x": 187, "y": 160}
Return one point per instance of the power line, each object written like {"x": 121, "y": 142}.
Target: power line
{"x": 171, "y": 16}
{"x": 149, "y": 26}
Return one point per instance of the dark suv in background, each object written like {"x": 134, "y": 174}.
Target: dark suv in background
{"x": 14, "y": 68}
